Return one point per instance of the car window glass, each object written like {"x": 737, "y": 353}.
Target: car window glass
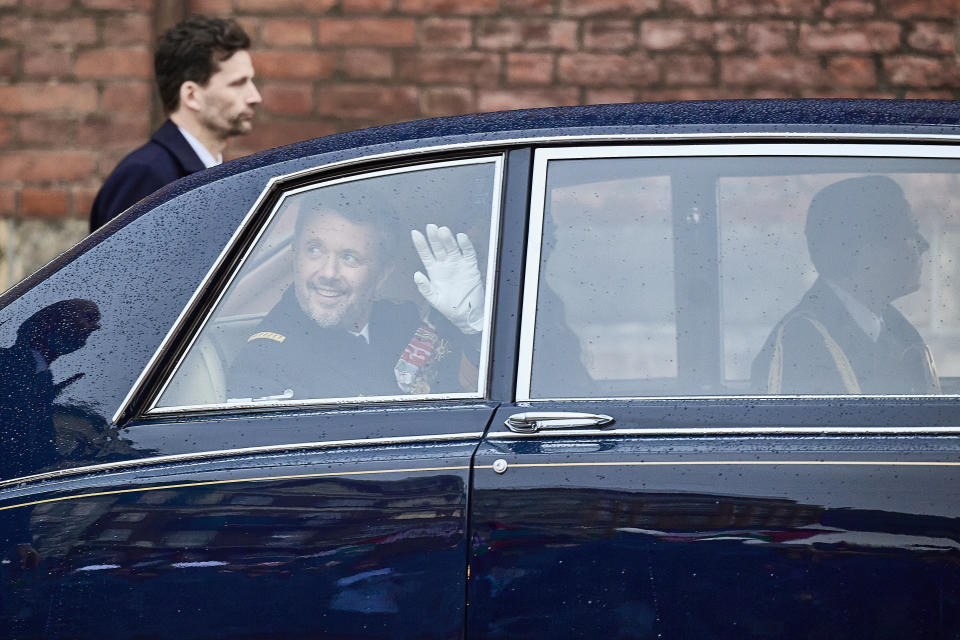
{"x": 368, "y": 286}
{"x": 699, "y": 276}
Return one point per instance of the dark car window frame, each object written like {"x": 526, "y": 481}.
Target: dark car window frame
{"x": 143, "y": 396}
{"x": 865, "y": 146}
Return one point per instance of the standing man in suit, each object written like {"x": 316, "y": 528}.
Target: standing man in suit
{"x": 205, "y": 78}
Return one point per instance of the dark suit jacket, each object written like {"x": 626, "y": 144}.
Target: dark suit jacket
{"x": 819, "y": 348}
{"x": 167, "y": 157}
{"x": 289, "y": 351}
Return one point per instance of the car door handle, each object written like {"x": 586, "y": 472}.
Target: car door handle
{"x": 532, "y": 422}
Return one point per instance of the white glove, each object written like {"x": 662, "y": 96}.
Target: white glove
{"x": 454, "y": 287}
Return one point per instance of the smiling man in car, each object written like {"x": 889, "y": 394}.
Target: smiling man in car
{"x": 333, "y": 335}
{"x": 205, "y": 78}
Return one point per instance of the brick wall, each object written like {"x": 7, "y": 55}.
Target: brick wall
{"x": 76, "y": 89}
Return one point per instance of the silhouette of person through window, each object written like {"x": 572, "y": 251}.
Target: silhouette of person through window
{"x": 845, "y": 336}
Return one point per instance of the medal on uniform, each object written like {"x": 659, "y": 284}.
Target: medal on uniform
{"x": 412, "y": 366}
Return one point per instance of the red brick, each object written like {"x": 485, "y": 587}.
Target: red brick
{"x": 792, "y": 8}
{"x": 379, "y": 32}
{"x": 9, "y": 62}
{"x": 768, "y": 37}
{"x": 40, "y": 5}
{"x": 679, "y": 35}
{"x": 606, "y": 70}
{"x": 527, "y": 33}
{"x": 446, "y": 33}
{"x": 319, "y": 6}
{"x": 610, "y": 96}
{"x": 113, "y": 131}
{"x": 40, "y": 31}
{"x": 851, "y": 71}
{"x": 114, "y": 63}
{"x": 933, "y": 37}
{"x": 645, "y": 94}
{"x": 251, "y": 25}
{"x": 29, "y": 97}
{"x": 43, "y": 166}
{"x": 529, "y": 68}
{"x": 273, "y": 7}
{"x": 267, "y": 6}
{"x": 581, "y": 8}
{"x": 849, "y": 9}
{"x": 845, "y": 93}
{"x": 127, "y": 28}
{"x": 447, "y": 101}
{"x": 288, "y": 98}
{"x": 609, "y": 35}
{"x": 504, "y": 99}
{"x": 82, "y": 202}
{"x": 457, "y": 7}
{"x": 287, "y": 32}
{"x": 294, "y": 65}
{"x": 274, "y": 134}
{"x": 368, "y": 64}
{"x": 921, "y": 8}
{"x": 941, "y": 94}
{"x": 6, "y": 131}
{"x": 729, "y": 36}
{"x": 8, "y": 202}
{"x": 43, "y": 203}
{"x": 367, "y": 6}
{"x": 127, "y": 5}
{"x": 921, "y": 72}
{"x": 48, "y": 62}
{"x": 368, "y": 101}
{"x": 770, "y": 71}
{"x": 127, "y": 97}
{"x": 859, "y": 37}
{"x": 47, "y": 133}
{"x": 471, "y": 67}
{"x": 680, "y": 70}
{"x": 698, "y": 8}
{"x": 526, "y": 6}
{"x": 210, "y": 7}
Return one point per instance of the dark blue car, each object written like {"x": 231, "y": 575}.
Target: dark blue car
{"x": 685, "y": 370}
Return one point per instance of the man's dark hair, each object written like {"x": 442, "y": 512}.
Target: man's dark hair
{"x": 192, "y": 51}
{"x": 848, "y": 216}
{"x": 359, "y": 203}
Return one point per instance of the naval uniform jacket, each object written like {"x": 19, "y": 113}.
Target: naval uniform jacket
{"x": 818, "y": 348}
{"x": 289, "y": 353}
{"x": 165, "y": 158}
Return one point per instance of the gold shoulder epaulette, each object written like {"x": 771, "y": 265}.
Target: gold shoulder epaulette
{"x": 269, "y": 335}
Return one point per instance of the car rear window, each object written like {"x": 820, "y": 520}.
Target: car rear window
{"x": 761, "y": 270}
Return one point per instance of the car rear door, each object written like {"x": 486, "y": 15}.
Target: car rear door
{"x": 644, "y": 482}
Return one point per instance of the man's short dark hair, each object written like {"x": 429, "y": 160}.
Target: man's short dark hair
{"x": 192, "y": 51}
{"x": 848, "y": 216}
{"x": 360, "y": 204}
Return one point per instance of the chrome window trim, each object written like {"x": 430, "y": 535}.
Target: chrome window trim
{"x": 125, "y": 466}
{"x": 492, "y": 247}
{"x": 724, "y": 431}
{"x": 542, "y": 157}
